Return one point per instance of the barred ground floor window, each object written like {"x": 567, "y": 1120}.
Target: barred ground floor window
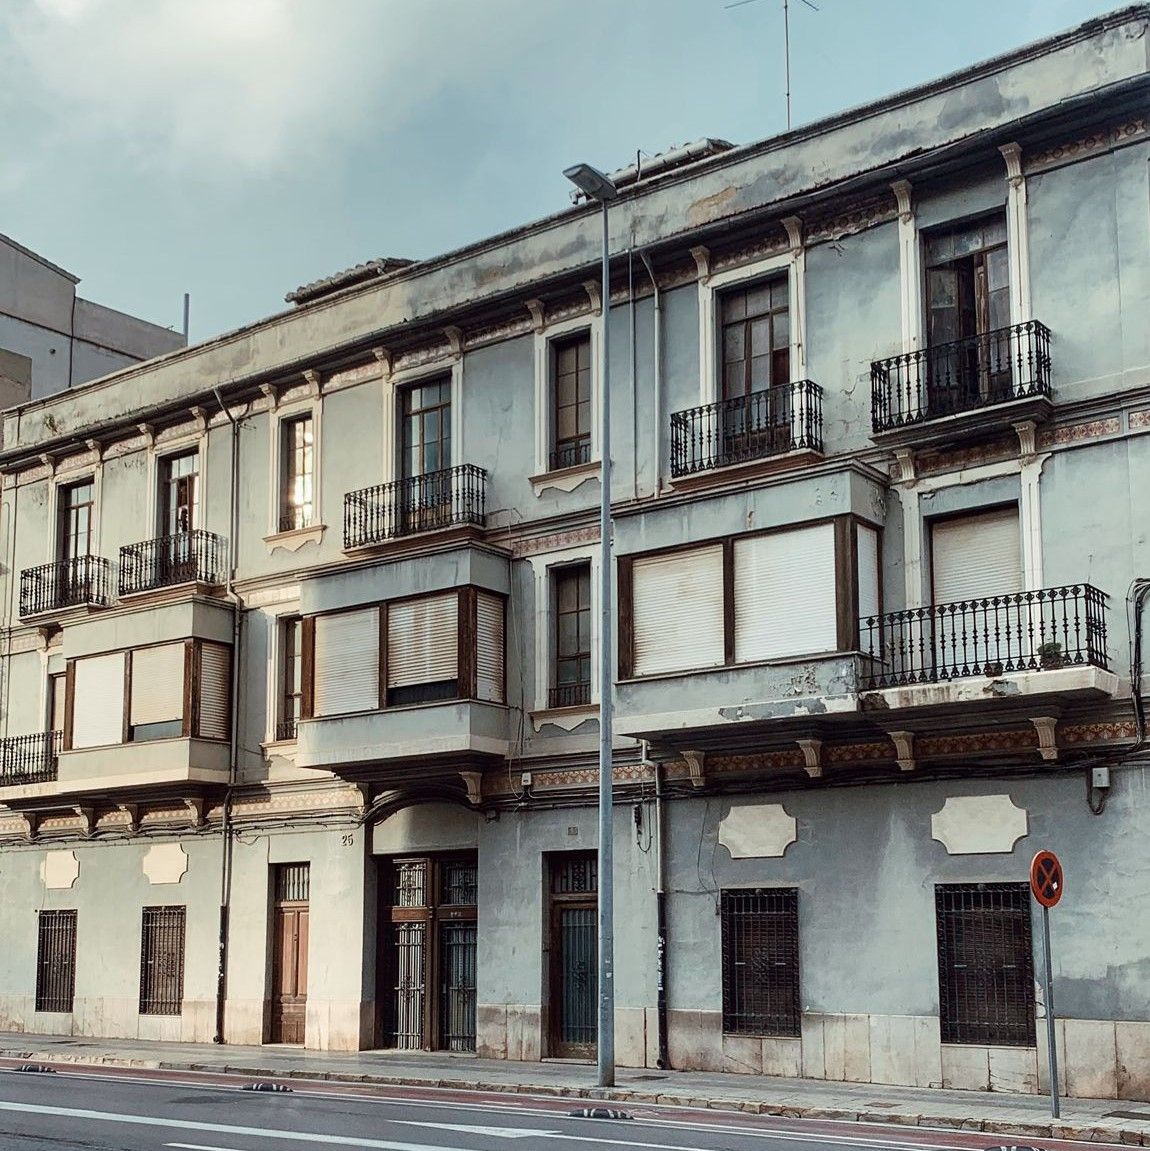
{"x": 760, "y": 944}
{"x": 162, "y": 961}
{"x": 56, "y": 961}
{"x": 985, "y": 964}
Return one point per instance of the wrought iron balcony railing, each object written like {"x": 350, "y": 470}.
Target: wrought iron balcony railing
{"x": 285, "y": 730}
{"x": 82, "y": 581}
{"x": 569, "y": 695}
{"x": 570, "y": 455}
{"x": 1030, "y": 631}
{"x": 949, "y": 379}
{"x": 417, "y": 504}
{"x": 29, "y": 758}
{"x": 753, "y": 427}
{"x": 187, "y": 557}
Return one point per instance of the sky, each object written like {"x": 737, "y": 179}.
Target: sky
{"x": 235, "y": 149}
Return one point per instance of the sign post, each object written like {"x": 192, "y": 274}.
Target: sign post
{"x": 1046, "y": 887}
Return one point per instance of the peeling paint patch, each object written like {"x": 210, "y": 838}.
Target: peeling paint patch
{"x": 709, "y": 207}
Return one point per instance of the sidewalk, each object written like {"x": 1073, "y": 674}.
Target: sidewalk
{"x": 1027, "y": 1116}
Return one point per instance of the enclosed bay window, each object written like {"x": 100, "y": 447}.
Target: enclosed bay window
{"x": 768, "y": 596}
{"x": 168, "y": 691}
{"x": 412, "y": 651}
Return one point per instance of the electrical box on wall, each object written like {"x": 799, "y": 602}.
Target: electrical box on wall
{"x": 1100, "y": 777}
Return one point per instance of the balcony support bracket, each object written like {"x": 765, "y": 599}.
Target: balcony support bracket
{"x": 904, "y": 749}
{"x": 31, "y": 825}
{"x": 695, "y": 761}
{"x": 812, "y": 750}
{"x": 473, "y": 781}
{"x": 1047, "y": 728}
{"x": 87, "y": 819}
{"x": 132, "y": 811}
{"x": 195, "y": 809}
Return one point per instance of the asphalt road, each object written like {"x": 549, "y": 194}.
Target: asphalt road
{"x": 117, "y": 1112}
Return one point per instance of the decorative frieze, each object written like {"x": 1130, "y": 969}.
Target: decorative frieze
{"x": 1076, "y": 433}
{"x": 1100, "y": 140}
{"x": 854, "y": 218}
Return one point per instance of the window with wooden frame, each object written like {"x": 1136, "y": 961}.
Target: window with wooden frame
{"x": 760, "y": 946}
{"x": 289, "y": 703}
{"x": 571, "y": 636}
{"x": 755, "y": 337}
{"x": 570, "y": 370}
{"x": 767, "y": 596}
{"x": 57, "y": 701}
{"x": 56, "y": 961}
{"x": 166, "y": 691}
{"x": 446, "y": 646}
{"x": 75, "y": 520}
{"x": 297, "y": 472}
{"x": 162, "y": 961}
{"x": 985, "y": 964}
{"x": 179, "y": 494}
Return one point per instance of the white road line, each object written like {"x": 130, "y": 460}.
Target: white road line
{"x": 200, "y": 1147}
{"x": 498, "y": 1132}
{"x": 221, "y": 1128}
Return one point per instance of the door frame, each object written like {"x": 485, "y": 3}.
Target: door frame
{"x": 556, "y": 904}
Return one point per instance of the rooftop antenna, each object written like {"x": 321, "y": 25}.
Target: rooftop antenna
{"x": 187, "y": 311}
{"x": 786, "y": 41}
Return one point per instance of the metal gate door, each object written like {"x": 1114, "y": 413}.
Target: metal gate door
{"x": 574, "y": 950}
{"x": 457, "y": 995}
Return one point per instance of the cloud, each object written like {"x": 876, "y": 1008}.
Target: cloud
{"x": 227, "y": 88}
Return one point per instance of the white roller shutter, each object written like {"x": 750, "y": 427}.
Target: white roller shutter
{"x": 347, "y": 662}
{"x": 157, "y": 684}
{"x": 215, "y": 691}
{"x": 977, "y": 556}
{"x": 423, "y": 641}
{"x": 678, "y": 611}
{"x": 489, "y": 647}
{"x": 785, "y": 594}
{"x": 98, "y": 701}
{"x": 868, "y": 559}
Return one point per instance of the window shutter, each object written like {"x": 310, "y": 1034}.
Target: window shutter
{"x": 215, "y": 691}
{"x": 157, "y": 684}
{"x": 868, "y": 579}
{"x": 678, "y": 611}
{"x": 98, "y": 701}
{"x": 977, "y": 556}
{"x": 785, "y": 601}
{"x": 489, "y": 650}
{"x": 423, "y": 640}
{"x": 347, "y": 662}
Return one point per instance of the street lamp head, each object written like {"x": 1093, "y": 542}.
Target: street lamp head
{"x": 592, "y": 183}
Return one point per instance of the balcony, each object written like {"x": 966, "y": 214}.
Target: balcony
{"x": 187, "y": 557}
{"x": 29, "y": 758}
{"x": 82, "y": 581}
{"x": 1051, "y": 632}
{"x": 969, "y": 385}
{"x": 449, "y": 498}
{"x": 569, "y": 695}
{"x": 759, "y": 426}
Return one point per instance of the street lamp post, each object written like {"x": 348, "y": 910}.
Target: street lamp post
{"x": 596, "y": 186}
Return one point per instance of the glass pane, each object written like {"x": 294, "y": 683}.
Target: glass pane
{"x": 758, "y": 299}
{"x": 734, "y": 306}
{"x": 760, "y": 336}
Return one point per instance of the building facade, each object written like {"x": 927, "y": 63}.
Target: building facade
{"x": 300, "y": 678}
{"x": 51, "y": 339}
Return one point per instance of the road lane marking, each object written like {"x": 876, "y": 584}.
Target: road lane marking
{"x": 200, "y": 1147}
{"x": 463, "y": 1128}
{"x": 220, "y": 1128}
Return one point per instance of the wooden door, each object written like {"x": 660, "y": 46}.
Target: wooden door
{"x": 574, "y": 956}
{"x": 289, "y": 955}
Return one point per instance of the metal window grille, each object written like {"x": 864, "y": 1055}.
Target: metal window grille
{"x": 574, "y": 874}
{"x": 760, "y": 946}
{"x": 56, "y": 961}
{"x": 457, "y": 943}
{"x": 410, "y": 883}
{"x": 293, "y": 882}
{"x": 985, "y": 964}
{"x": 459, "y": 883}
{"x": 162, "y": 961}
{"x": 409, "y": 989}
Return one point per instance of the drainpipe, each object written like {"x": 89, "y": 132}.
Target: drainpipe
{"x": 634, "y": 373}
{"x": 664, "y": 1060}
{"x": 658, "y": 385}
{"x": 233, "y": 753}
{"x": 12, "y": 508}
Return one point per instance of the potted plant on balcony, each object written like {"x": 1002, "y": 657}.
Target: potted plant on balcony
{"x": 1050, "y": 655}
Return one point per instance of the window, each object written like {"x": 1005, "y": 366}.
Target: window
{"x": 162, "y": 961}
{"x": 985, "y": 966}
{"x": 423, "y": 649}
{"x": 768, "y": 596}
{"x": 157, "y": 693}
{"x": 56, "y": 961}
{"x": 489, "y": 647}
{"x": 346, "y": 675}
{"x": 571, "y": 639}
{"x": 571, "y": 401}
{"x": 426, "y": 437}
{"x": 760, "y": 947}
{"x": 297, "y": 473}
{"x": 75, "y": 527}
{"x": 755, "y": 338}
{"x": 57, "y": 701}
{"x": 145, "y": 694}
{"x": 290, "y": 677}
{"x": 179, "y": 494}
